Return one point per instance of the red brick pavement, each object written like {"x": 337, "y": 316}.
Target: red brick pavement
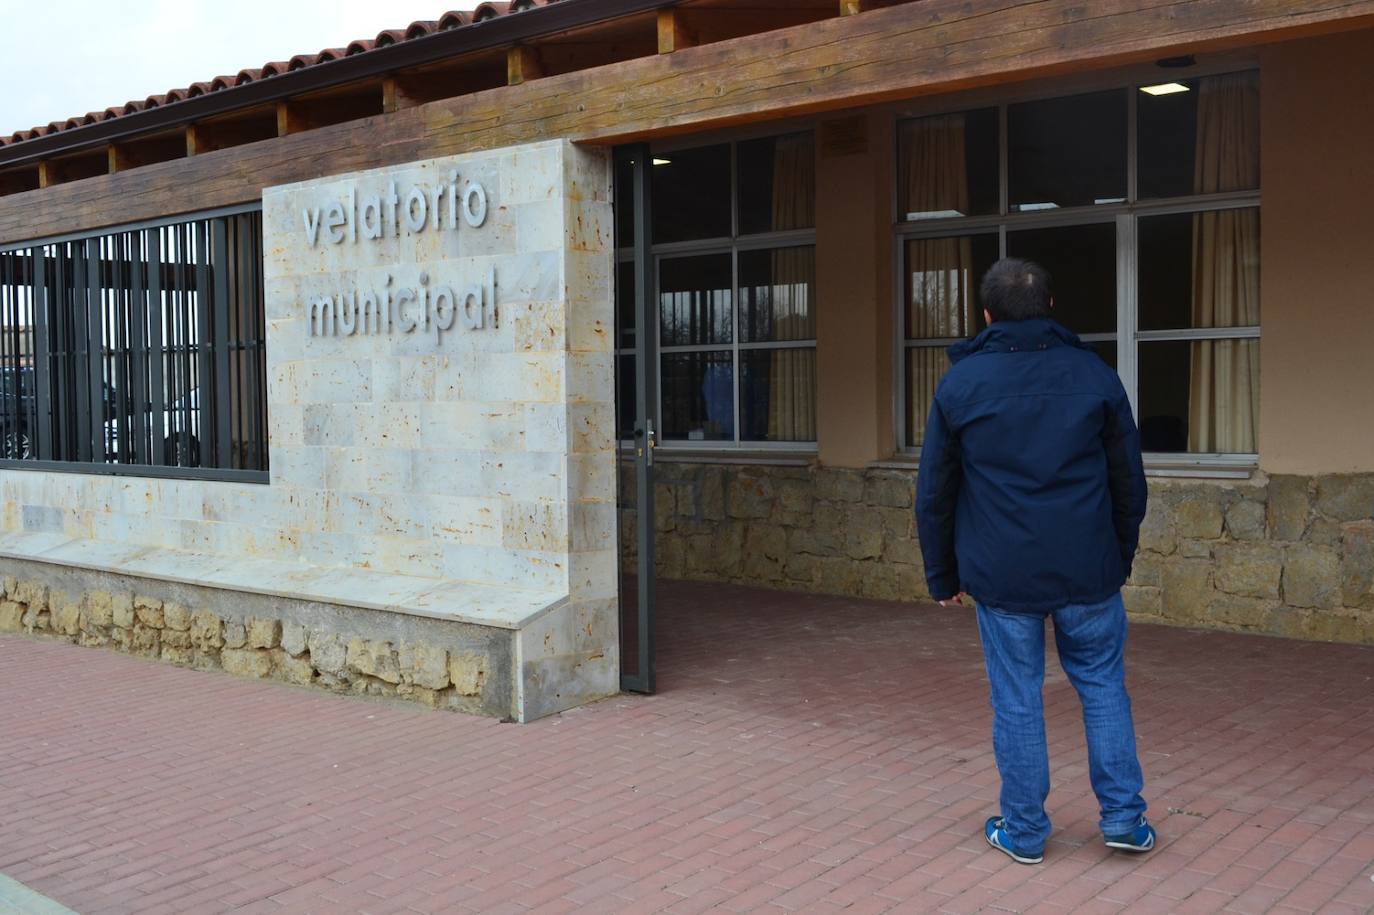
{"x": 804, "y": 754}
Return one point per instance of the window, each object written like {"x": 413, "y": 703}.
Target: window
{"x": 1142, "y": 203}
{"x": 138, "y": 350}
{"x": 733, "y": 250}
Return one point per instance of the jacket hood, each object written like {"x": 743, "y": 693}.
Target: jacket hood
{"x": 1014, "y": 336}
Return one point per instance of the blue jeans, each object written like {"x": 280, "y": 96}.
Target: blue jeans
{"x": 1091, "y": 640}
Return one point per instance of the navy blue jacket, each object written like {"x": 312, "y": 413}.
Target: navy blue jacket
{"x": 1031, "y": 488}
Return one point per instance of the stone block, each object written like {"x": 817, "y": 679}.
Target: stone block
{"x": 839, "y": 575}
{"x": 122, "y": 638}
{"x": 149, "y": 611}
{"x": 1357, "y": 565}
{"x": 1354, "y": 626}
{"x": 208, "y": 632}
{"x": 1312, "y": 577}
{"x": 95, "y": 638}
{"x": 176, "y": 616}
{"x": 1243, "y": 612}
{"x": 796, "y": 496}
{"x": 122, "y": 610}
{"x": 1323, "y": 532}
{"x": 11, "y": 616}
{"x": 99, "y": 610}
{"x": 712, "y": 494}
{"x": 891, "y": 490}
{"x": 902, "y": 551}
{"x": 1198, "y": 513}
{"x": 32, "y": 593}
{"x": 1157, "y": 532}
{"x": 175, "y": 638}
{"x": 375, "y": 659}
{"x": 1249, "y": 570}
{"x": 468, "y": 672}
{"x": 11, "y": 584}
{"x": 1288, "y": 622}
{"x": 1186, "y": 589}
{"x": 879, "y": 581}
{"x": 911, "y": 583}
{"x": 1145, "y": 601}
{"x": 1195, "y": 549}
{"x": 235, "y": 636}
{"x": 1245, "y": 520}
{"x": 66, "y": 615}
{"x": 1346, "y": 497}
{"x": 749, "y": 495}
{"x": 293, "y": 670}
{"x": 1289, "y": 507}
{"x": 246, "y": 662}
{"x": 423, "y": 665}
{"x": 839, "y": 485}
{"x": 801, "y": 568}
{"x": 294, "y": 638}
{"x": 263, "y": 633}
{"x": 1148, "y": 570}
{"x": 146, "y": 641}
{"x": 183, "y": 656}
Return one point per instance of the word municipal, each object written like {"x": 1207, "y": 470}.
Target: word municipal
{"x": 375, "y": 216}
{"x": 406, "y": 309}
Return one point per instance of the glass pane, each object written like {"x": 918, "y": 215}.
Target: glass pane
{"x": 625, "y": 396}
{"x": 777, "y": 294}
{"x": 694, "y": 297}
{"x": 691, "y": 189}
{"x": 1106, "y": 349}
{"x": 1067, "y": 151}
{"x": 625, "y": 303}
{"x": 925, "y": 366}
{"x": 1199, "y": 396}
{"x": 1200, "y": 269}
{"x": 1198, "y": 136}
{"x": 624, "y": 201}
{"x": 777, "y": 184}
{"x": 778, "y": 395}
{"x": 947, "y": 166}
{"x": 1082, "y": 265}
{"x": 942, "y": 285}
{"x": 698, "y": 396}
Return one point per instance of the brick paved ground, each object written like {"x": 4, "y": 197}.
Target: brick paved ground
{"x": 805, "y": 753}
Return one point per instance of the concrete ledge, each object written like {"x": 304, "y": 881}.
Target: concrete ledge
{"x": 444, "y": 599}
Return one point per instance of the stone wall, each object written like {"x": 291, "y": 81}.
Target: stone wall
{"x": 437, "y": 663}
{"x": 1285, "y": 555}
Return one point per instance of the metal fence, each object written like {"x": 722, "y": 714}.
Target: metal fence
{"x": 139, "y": 350}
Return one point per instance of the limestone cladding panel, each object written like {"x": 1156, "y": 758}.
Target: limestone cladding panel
{"x": 482, "y": 455}
{"x": 1284, "y": 555}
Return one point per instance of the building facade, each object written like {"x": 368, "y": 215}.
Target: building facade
{"x": 406, "y": 368}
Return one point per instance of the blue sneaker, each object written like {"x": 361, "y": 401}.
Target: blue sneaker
{"x": 995, "y": 832}
{"x": 1140, "y": 839}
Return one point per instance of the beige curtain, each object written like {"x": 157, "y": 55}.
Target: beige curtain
{"x": 792, "y": 372}
{"x": 1224, "y": 408}
{"x": 940, "y": 294}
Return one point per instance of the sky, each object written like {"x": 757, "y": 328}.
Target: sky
{"x": 63, "y": 58}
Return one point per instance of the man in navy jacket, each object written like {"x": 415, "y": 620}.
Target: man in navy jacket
{"x": 1030, "y": 497}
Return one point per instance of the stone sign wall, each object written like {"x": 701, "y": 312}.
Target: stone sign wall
{"x": 440, "y": 405}
{"x": 1284, "y": 555}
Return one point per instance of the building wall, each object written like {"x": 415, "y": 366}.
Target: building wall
{"x": 1317, "y": 289}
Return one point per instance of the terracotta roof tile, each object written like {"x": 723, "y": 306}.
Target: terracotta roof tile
{"x": 453, "y": 19}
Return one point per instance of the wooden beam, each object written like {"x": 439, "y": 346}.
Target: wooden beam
{"x": 118, "y": 158}
{"x": 672, "y": 31}
{"x": 904, "y": 51}
{"x": 194, "y": 141}
{"x": 288, "y": 119}
{"x": 522, "y": 65}
{"x": 47, "y": 173}
{"x": 396, "y": 95}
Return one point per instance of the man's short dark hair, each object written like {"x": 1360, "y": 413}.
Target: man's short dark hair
{"x": 1016, "y": 290}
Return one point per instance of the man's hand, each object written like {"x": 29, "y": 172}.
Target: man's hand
{"x": 955, "y": 601}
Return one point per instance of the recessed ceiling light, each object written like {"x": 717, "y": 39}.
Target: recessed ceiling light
{"x": 1164, "y": 89}
{"x": 663, "y": 161}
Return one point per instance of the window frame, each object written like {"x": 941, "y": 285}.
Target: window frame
{"x": 209, "y": 360}
{"x": 1125, "y": 217}
{"x": 731, "y": 245}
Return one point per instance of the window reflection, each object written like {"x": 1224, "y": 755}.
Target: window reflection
{"x": 694, "y": 300}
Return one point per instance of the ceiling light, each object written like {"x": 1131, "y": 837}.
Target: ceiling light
{"x": 1164, "y": 89}
{"x": 663, "y": 161}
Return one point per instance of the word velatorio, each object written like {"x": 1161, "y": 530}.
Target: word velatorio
{"x": 375, "y": 216}
{"x": 407, "y": 309}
